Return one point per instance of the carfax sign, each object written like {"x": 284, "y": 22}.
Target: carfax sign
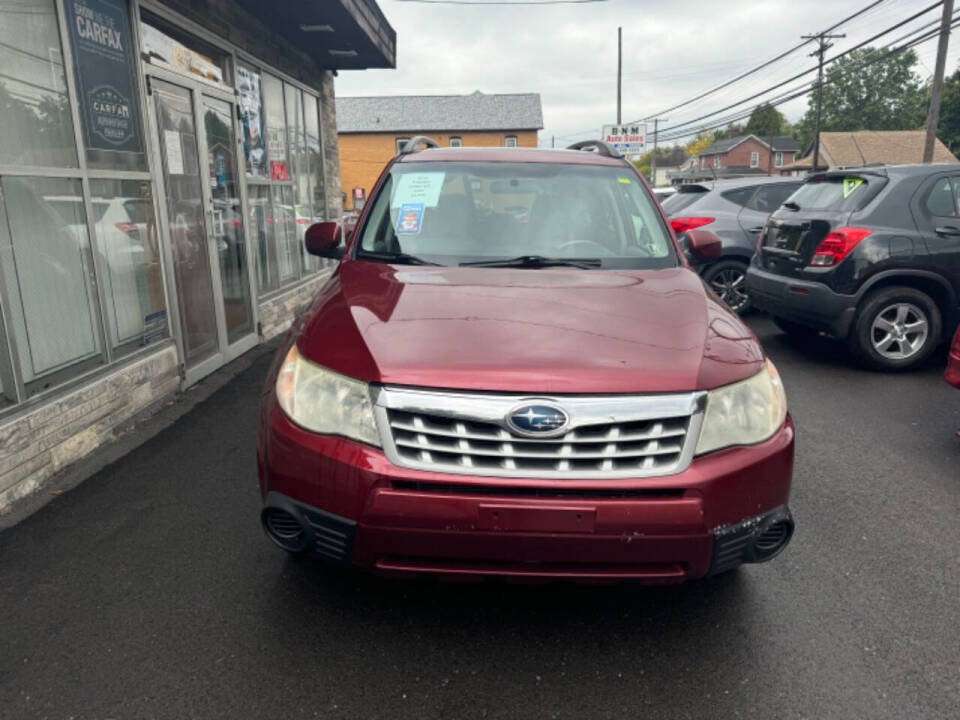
{"x": 628, "y": 139}
{"x": 103, "y": 55}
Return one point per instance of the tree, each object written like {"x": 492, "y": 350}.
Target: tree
{"x": 948, "y": 129}
{"x": 886, "y": 95}
{"x": 701, "y": 142}
{"x": 766, "y": 120}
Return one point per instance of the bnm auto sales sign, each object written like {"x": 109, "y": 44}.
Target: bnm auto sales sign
{"x": 103, "y": 55}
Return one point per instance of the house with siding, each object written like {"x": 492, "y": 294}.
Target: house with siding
{"x": 373, "y": 129}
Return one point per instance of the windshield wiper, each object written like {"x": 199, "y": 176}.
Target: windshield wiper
{"x": 400, "y": 258}
{"x": 791, "y": 205}
{"x": 535, "y": 261}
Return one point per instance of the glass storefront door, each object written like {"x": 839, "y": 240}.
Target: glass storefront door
{"x": 205, "y": 222}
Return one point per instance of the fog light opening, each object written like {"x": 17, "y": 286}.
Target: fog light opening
{"x": 773, "y": 539}
{"x": 284, "y": 529}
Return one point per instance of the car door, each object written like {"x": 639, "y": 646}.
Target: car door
{"x": 762, "y": 203}
{"x": 937, "y": 211}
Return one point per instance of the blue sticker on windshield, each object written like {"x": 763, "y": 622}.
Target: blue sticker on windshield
{"x": 410, "y": 218}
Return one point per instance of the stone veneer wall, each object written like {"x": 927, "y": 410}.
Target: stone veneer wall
{"x": 278, "y": 312}
{"x": 35, "y": 445}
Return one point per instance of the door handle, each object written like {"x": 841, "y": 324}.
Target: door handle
{"x": 756, "y": 230}
{"x": 947, "y": 230}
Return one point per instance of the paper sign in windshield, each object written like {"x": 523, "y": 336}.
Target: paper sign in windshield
{"x": 419, "y": 188}
{"x": 410, "y": 219}
{"x": 850, "y": 184}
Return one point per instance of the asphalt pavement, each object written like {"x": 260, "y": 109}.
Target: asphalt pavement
{"x": 150, "y": 591}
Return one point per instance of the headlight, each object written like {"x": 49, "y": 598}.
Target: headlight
{"x": 325, "y": 402}
{"x": 744, "y": 413}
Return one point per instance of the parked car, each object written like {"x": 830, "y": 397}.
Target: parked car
{"x": 551, "y": 393}
{"x": 736, "y": 210}
{"x": 869, "y": 256}
{"x": 953, "y": 363}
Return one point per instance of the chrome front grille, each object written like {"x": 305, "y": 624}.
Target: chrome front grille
{"x": 613, "y": 436}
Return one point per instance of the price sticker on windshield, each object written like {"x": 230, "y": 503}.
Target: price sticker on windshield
{"x": 410, "y": 219}
{"x": 421, "y": 187}
{"x": 850, "y": 184}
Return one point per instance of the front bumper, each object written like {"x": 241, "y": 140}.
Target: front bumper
{"x": 357, "y": 508}
{"x": 809, "y": 303}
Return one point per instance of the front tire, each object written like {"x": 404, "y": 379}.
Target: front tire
{"x": 728, "y": 279}
{"x": 896, "y": 329}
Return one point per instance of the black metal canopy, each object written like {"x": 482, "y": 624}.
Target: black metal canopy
{"x": 337, "y": 34}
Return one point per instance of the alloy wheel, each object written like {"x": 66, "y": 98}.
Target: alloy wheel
{"x": 730, "y": 285}
{"x": 899, "y": 331}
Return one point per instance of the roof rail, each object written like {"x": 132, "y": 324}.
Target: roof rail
{"x": 599, "y": 145}
{"x": 411, "y": 144}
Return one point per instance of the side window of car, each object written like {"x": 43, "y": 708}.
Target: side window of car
{"x": 942, "y": 200}
{"x": 770, "y": 197}
{"x": 739, "y": 196}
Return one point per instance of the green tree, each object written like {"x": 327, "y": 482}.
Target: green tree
{"x": 766, "y": 120}
{"x": 886, "y": 95}
{"x": 948, "y": 129}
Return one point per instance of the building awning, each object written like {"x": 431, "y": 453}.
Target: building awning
{"x": 337, "y": 34}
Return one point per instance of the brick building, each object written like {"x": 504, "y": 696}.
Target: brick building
{"x": 372, "y": 129}
{"x": 741, "y": 156}
{"x": 160, "y": 161}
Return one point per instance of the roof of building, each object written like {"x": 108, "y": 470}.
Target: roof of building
{"x": 871, "y": 147}
{"x": 775, "y": 142}
{"x": 423, "y": 113}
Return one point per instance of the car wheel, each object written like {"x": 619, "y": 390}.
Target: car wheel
{"x": 896, "y": 328}
{"x": 728, "y": 279}
{"x": 795, "y": 329}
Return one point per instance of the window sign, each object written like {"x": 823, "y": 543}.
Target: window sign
{"x": 106, "y": 90}
{"x": 251, "y": 118}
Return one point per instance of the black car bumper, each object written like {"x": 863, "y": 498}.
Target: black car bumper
{"x": 808, "y": 303}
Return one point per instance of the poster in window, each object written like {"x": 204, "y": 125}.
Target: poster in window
{"x": 104, "y": 63}
{"x": 251, "y": 117}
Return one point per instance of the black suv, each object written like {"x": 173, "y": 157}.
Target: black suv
{"x": 871, "y": 256}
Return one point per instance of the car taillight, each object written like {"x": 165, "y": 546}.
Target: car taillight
{"x": 837, "y": 245}
{"x": 682, "y": 224}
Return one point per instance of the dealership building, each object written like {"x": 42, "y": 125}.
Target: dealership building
{"x": 160, "y": 161}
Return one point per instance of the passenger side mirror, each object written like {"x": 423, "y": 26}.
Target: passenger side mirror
{"x": 323, "y": 239}
{"x": 703, "y": 244}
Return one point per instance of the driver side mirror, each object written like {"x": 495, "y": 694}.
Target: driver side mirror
{"x": 703, "y": 244}
{"x": 323, "y": 239}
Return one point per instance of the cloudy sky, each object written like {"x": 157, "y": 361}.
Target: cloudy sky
{"x": 672, "y": 51}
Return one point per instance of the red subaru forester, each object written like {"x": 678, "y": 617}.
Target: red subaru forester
{"x": 513, "y": 371}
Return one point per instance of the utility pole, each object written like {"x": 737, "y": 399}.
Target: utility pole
{"x": 619, "y": 70}
{"x": 936, "y": 92}
{"x": 822, "y": 48}
{"x": 653, "y": 157}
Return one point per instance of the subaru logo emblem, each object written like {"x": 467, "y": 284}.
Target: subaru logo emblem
{"x": 537, "y": 420}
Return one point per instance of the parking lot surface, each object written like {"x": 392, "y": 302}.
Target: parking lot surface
{"x": 151, "y": 591}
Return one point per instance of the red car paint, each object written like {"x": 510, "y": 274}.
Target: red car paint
{"x": 953, "y": 363}
{"x": 561, "y": 330}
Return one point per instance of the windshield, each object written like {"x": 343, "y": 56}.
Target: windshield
{"x": 834, "y": 193}
{"x": 451, "y": 212}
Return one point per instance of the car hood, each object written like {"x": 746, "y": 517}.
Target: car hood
{"x": 550, "y": 330}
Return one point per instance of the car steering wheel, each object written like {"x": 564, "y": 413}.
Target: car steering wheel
{"x": 570, "y": 243}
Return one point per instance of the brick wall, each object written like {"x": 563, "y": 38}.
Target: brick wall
{"x": 38, "y": 443}
{"x": 364, "y": 155}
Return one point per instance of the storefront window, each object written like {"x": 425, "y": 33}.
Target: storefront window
{"x": 105, "y": 74}
{"x": 128, "y": 244}
{"x": 36, "y": 127}
{"x": 260, "y": 220}
{"x": 276, "y": 128}
{"x": 315, "y": 158}
{"x": 48, "y": 272}
{"x": 168, "y": 46}
{"x": 285, "y": 226}
{"x": 251, "y": 121}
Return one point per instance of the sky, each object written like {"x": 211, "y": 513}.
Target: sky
{"x": 672, "y": 51}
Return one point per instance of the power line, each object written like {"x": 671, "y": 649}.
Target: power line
{"x": 792, "y": 95}
{"x": 809, "y": 70}
{"x": 761, "y": 66}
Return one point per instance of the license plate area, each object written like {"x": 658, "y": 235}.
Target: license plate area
{"x": 525, "y": 518}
